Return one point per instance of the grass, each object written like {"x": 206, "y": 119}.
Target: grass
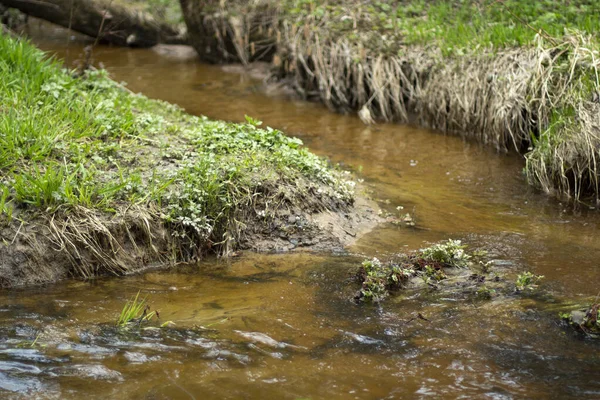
{"x": 135, "y": 310}
{"x": 453, "y": 26}
{"x": 512, "y": 74}
{"x": 100, "y": 165}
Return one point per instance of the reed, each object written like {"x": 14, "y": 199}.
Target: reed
{"x": 135, "y": 310}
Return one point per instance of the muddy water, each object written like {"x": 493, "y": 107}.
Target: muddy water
{"x": 283, "y": 326}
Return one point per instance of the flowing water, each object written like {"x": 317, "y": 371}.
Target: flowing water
{"x": 284, "y": 325}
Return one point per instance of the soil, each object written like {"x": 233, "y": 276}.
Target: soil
{"x": 325, "y": 231}
{"x": 32, "y": 254}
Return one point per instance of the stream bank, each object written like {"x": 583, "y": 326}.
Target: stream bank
{"x": 505, "y": 75}
{"x": 98, "y": 180}
{"x": 284, "y": 325}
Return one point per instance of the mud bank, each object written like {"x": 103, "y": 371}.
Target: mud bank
{"x": 97, "y": 180}
{"x": 76, "y": 244}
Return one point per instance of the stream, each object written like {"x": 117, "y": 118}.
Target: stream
{"x": 284, "y": 325}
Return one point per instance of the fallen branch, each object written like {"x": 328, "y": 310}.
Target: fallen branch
{"x": 107, "y": 22}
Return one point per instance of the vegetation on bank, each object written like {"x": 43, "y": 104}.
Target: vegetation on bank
{"x": 430, "y": 265}
{"x": 446, "y": 266}
{"x": 511, "y": 74}
{"x": 104, "y": 171}
{"x": 453, "y": 26}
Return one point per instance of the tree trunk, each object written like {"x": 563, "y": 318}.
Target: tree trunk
{"x": 104, "y": 20}
{"x": 224, "y": 31}
{"x": 207, "y": 31}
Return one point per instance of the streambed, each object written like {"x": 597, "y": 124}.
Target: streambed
{"x": 284, "y": 326}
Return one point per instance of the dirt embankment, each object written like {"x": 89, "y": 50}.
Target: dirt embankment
{"x": 81, "y": 244}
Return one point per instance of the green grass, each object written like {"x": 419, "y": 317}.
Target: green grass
{"x": 135, "y": 310}
{"x": 68, "y": 142}
{"x": 547, "y": 82}
{"x": 514, "y": 74}
{"x": 454, "y": 26}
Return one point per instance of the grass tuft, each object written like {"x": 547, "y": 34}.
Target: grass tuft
{"x": 135, "y": 310}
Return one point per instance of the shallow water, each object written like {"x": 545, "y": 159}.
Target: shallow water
{"x": 284, "y": 326}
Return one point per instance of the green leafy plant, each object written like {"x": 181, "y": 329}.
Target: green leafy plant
{"x": 451, "y": 253}
{"x": 436, "y": 274}
{"x": 374, "y": 281}
{"x": 586, "y": 321}
{"x": 485, "y": 293}
{"x": 378, "y": 279}
{"x": 527, "y": 281}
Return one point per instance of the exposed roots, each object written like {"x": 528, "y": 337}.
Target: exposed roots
{"x": 221, "y": 36}
{"x": 96, "y": 245}
{"x": 79, "y": 242}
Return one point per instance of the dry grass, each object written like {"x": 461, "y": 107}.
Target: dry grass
{"x": 536, "y": 99}
{"x": 96, "y": 245}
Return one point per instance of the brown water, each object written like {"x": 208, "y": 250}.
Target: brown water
{"x": 319, "y": 344}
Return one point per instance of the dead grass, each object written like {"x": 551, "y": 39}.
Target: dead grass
{"x": 535, "y": 99}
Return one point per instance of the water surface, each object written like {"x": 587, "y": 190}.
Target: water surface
{"x": 284, "y": 326}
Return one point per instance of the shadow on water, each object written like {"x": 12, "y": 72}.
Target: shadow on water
{"x": 285, "y": 326}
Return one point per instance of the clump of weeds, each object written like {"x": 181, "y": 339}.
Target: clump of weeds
{"x": 485, "y": 293}
{"x": 585, "y": 321}
{"x": 527, "y": 281}
{"x": 378, "y": 279}
{"x": 451, "y": 254}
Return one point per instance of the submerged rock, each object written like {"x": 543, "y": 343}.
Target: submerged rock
{"x": 19, "y": 384}
{"x": 14, "y": 366}
{"x": 94, "y": 371}
{"x": 258, "y": 337}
